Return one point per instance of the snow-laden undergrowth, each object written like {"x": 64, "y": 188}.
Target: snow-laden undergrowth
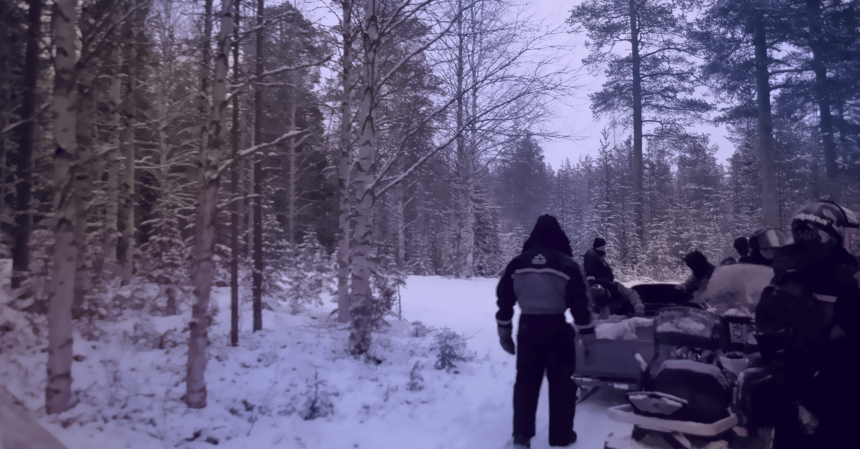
{"x": 292, "y": 385}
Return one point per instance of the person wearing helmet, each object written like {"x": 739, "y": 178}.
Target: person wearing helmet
{"x": 808, "y": 332}
{"x": 763, "y": 244}
{"x": 545, "y": 281}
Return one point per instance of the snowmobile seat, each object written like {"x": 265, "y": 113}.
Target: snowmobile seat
{"x": 704, "y": 389}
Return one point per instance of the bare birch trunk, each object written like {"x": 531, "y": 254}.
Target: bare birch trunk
{"x": 234, "y": 190}
{"x": 258, "y": 178}
{"x": 362, "y": 319}
{"x": 112, "y": 202}
{"x": 343, "y": 312}
{"x": 128, "y": 144}
{"x": 82, "y": 183}
{"x": 58, "y": 391}
{"x": 24, "y": 161}
{"x": 204, "y": 241}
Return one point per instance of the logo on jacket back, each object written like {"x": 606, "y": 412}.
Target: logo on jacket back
{"x": 539, "y": 259}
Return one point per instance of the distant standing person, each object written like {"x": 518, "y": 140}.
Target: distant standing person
{"x": 742, "y": 246}
{"x": 596, "y": 266}
{"x": 545, "y": 281}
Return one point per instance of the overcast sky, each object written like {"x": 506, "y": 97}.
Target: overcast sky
{"x": 574, "y": 117}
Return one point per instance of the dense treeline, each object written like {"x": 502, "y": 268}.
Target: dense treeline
{"x": 182, "y": 145}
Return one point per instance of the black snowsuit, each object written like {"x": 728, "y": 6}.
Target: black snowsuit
{"x": 819, "y": 303}
{"x": 701, "y": 269}
{"x": 595, "y": 265}
{"x": 545, "y": 281}
{"x": 620, "y": 300}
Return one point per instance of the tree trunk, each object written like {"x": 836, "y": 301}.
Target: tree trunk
{"x": 822, "y": 95}
{"x": 459, "y": 187}
{"x": 362, "y": 318}
{"x": 112, "y": 202}
{"x": 204, "y": 241}
{"x": 67, "y": 204}
{"x": 234, "y": 186}
{"x": 291, "y": 201}
{"x": 258, "y": 178}
{"x": 637, "y": 120}
{"x": 128, "y": 144}
{"x": 26, "y": 139}
{"x": 344, "y": 212}
{"x": 400, "y": 224}
{"x": 82, "y": 182}
{"x": 769, "y": 198}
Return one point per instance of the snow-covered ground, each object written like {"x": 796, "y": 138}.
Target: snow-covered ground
{"x": 130, "y": 382}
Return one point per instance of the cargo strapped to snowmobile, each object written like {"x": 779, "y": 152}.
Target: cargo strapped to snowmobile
{"x": 685, "y": 327}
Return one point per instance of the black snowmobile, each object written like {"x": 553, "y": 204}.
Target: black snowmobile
{"x": 699, "y": 398}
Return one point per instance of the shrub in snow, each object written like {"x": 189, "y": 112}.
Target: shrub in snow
{"x": 416, "y": 381}
{"x": 419, "y": 329}
{"x": 450, "y": 347}
{"x": 306, "y": 277}
{"x": 385, "y": 281}
{"x": 317, "y": 402}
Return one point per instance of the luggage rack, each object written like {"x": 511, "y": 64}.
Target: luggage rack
{"x": 624, "y": 413}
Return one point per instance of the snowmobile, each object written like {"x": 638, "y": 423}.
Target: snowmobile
{"x": 698, "y": 398}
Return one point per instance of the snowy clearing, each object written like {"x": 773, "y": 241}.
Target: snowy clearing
{"x": 130, "y": 381}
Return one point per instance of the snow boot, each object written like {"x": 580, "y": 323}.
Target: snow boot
{"x": 570, "y": 443}
{"x": 521, "y": 442}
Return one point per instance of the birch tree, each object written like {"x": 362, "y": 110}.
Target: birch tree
{"x": 204, "y": 241}
{"x": 67, "y": 206}
{"x": 347, "y": 83}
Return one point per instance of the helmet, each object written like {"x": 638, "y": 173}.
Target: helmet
{"x": 766, "y": 241}
{"x": 822, "y": 223}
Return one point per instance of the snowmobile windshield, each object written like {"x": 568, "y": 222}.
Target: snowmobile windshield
{"x": 853, "y": 220}
{"x": 771, "y": 238}
{"x": 737, "y": 287}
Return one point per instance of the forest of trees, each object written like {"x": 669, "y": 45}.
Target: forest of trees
{"x": 190, "y": 144}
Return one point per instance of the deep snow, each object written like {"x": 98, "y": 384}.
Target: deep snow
{"x": 130, "y": 390}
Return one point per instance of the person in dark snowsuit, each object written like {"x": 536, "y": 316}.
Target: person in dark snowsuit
{"x": 741, "y": 245}
{"x": 595, "y": 265}
{"x": 626, "y": 301}
{"x": 545, "y": 281}
{"x": 809, "y": 332}
{"x": 697, "y": 281}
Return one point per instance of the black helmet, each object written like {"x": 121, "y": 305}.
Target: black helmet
{"x": 766, "y": 241}
{"x": 822, "y": 223}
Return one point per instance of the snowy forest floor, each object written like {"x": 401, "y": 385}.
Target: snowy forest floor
{"x": 129, "y": 381}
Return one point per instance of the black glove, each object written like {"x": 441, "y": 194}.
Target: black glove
{"x": 506, "y": 339}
